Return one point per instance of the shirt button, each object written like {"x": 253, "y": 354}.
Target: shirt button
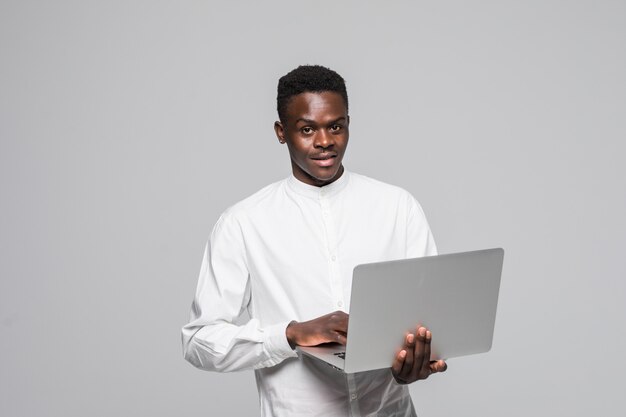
{"x": 353, "y": 397}
{"x": 333, "y": 258}
{"x": 340, "y": 303}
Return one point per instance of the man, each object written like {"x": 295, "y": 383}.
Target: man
{"x": 285, "y": 255}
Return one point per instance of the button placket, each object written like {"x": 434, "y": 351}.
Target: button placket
{"x": 352, "y": 389}
{"x": 331, "y": 241}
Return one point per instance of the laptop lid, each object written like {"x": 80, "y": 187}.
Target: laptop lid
{"x": 454, "y": 295}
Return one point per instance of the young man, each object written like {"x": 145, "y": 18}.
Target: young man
{"x": 285, "y": 255}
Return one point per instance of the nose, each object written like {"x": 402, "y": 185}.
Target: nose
{"x": 324, "y": 139}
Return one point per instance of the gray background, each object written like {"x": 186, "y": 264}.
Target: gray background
{"x": 127, "y": 127}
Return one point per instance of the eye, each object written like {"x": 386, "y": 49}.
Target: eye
{"x": 335, "y": 128}
{"x": 307, "y": 130}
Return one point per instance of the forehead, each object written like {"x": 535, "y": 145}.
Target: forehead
{"x": 318, "y": 106}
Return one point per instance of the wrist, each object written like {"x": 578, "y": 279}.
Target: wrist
{"x": 290, "y": 334}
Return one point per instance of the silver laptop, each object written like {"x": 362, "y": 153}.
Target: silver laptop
{"x": 454, "y": 295}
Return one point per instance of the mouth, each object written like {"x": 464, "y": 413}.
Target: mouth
{"x": 323, "y": 156}
{"x": 324, "y": 160}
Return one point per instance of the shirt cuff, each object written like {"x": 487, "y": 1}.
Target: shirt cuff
{"x": 276, "y": 343}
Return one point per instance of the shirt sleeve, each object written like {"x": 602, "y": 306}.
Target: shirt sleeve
{"x": 211, "y": 339}
{"x": 420, "y": 241}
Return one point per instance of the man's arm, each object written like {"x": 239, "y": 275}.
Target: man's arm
{"x": 211, "y": 340}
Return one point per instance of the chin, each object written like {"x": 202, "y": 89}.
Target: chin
{"x": 316, "y": 175}
{"x": 325, "y": 174}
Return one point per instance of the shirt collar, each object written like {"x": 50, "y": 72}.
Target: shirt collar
{"x": 312, "y": 191}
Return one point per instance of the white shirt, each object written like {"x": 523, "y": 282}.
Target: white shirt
{"x": 287, "y": 253}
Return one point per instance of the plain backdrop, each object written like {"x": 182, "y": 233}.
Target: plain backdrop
{"x": 127, "y": 127}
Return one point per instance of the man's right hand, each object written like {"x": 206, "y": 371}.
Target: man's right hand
{"x": 332, "y": 327}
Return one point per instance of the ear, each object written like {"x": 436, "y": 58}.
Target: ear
{"x": 280, "y": 131}
{"x": 348, "y": 120}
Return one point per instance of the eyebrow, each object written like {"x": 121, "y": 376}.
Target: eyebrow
{"x": 314, "y": 122}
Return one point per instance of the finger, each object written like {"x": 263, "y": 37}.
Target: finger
{"x": 420, "y": 339}
{"x": 339, "y": 321}
{"x": 340, "y": 338}
{"x": 419, "y": 353}
{"x": 425, "y": 368}
{"x": 398, "y": 362}
{"x": 344, "y": 322}
{"x": 340, "y": 314}
{"x": 409, "y": 346}
{"x": 438, "y": 366}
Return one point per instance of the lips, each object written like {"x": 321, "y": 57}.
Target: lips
{"x": 323, "y": 156}
{"x": 324, "y": 160}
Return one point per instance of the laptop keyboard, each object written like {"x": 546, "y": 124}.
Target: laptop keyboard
{"x": 341, "y": 355}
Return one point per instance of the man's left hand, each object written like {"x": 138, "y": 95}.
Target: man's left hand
{"x": 413, "y": 362}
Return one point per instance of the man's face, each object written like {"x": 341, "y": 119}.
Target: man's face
{"x": 316, "y": 133}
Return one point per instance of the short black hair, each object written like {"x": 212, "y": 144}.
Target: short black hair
{"x": 308, "y": 78}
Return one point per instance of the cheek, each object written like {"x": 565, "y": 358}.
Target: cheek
{"x": 300, "y": 147}
{"x": 344, "y": 144}
{"x": 298, "y": 152}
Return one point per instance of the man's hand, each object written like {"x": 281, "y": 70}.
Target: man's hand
{"x": 332, "y": 327}
{"x": 413, "y": 362}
